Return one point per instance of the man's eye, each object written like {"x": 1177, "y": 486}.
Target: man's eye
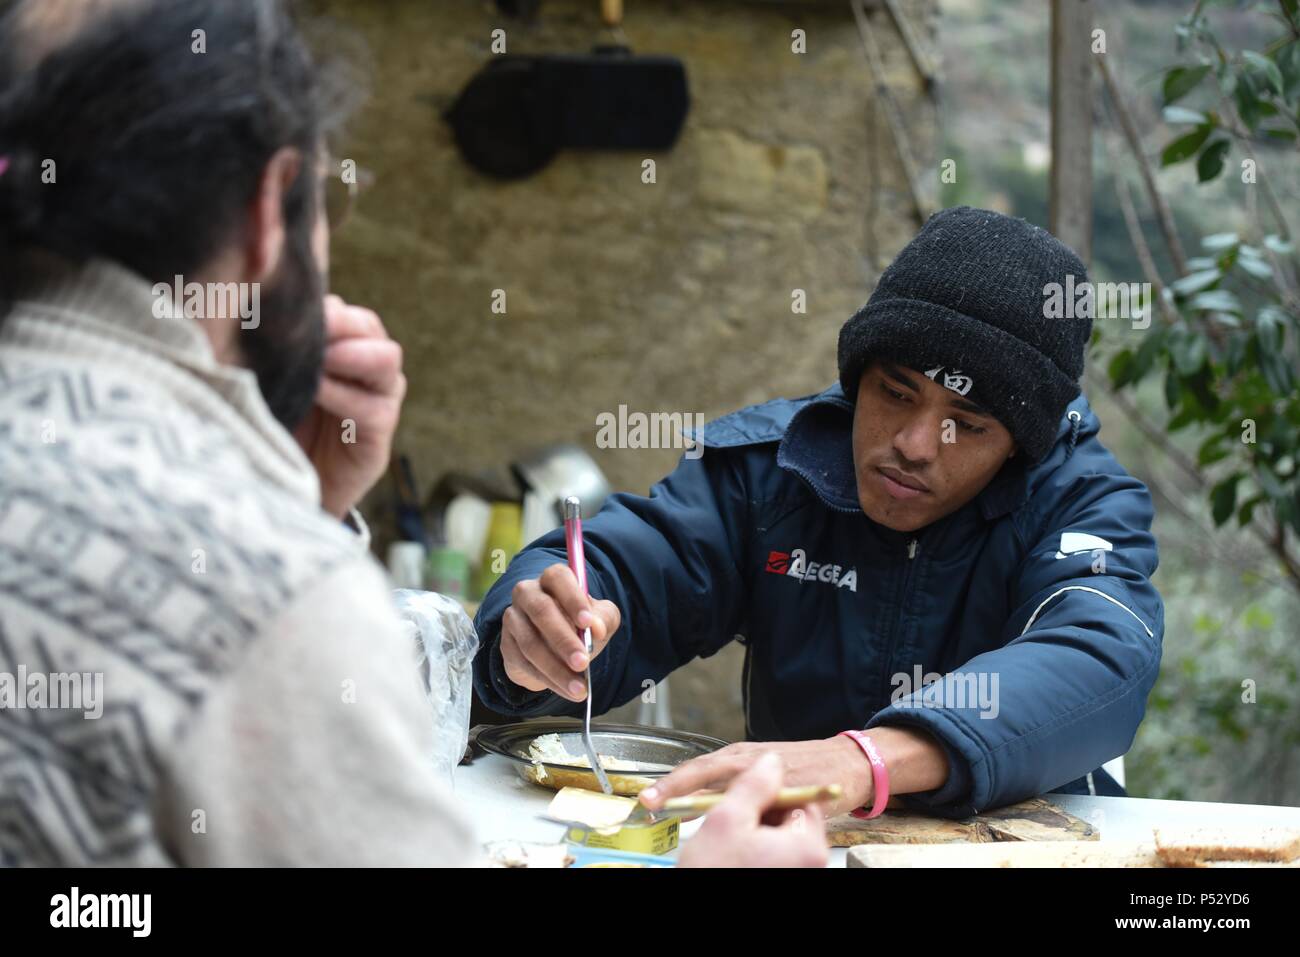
{"x": 891, "y": 393}
{"x": 974, "y": 429}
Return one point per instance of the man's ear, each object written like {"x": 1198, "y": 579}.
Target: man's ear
{"x": 266, "y": 216}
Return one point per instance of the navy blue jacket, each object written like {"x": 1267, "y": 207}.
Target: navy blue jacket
{"x": 1033, "y": 601}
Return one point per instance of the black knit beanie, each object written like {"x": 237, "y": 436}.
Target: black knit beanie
{"x": 964, "y": 302}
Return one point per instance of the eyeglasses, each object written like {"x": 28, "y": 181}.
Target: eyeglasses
{"x": 344, "y": 181}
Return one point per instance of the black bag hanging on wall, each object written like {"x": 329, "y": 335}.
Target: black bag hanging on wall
{"x": 519, "y": 111}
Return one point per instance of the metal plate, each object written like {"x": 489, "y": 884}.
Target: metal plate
{"x": 629, "y": 742}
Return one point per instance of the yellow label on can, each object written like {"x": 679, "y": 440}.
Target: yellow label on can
{"x": 656, "y": 839}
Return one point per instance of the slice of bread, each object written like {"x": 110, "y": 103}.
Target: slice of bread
{"x": 1195, "y": 845}
{"x": 1007, "y": 854}
{"x": 1295, "y": 863}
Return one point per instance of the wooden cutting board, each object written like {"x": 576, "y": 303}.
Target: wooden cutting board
{"x": 1032, "y": 820}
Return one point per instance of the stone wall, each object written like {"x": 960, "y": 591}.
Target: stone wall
{"x": 674, "y": 296}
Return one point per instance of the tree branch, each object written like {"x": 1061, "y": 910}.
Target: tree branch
{"x": 1163, "y": 214}
{"x": 1134, "y": 227}
{"x": 1274, "y": 539}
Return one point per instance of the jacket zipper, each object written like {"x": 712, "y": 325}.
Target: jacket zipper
{"x": 912, "y": 548}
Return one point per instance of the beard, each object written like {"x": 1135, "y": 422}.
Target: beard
{"x": 286, "y": 350}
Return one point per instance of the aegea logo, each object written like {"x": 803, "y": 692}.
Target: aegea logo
{"x": 795, "y": 564}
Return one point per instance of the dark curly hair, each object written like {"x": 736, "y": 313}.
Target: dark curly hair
{"x": 126, "y": 142}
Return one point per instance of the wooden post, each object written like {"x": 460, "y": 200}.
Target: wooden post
{"x": 1070, "y": 182}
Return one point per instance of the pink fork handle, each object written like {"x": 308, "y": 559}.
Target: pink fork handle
{"x": 573, "y": 546}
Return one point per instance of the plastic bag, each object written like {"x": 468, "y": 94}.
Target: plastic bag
{"x": 447, "y": 642}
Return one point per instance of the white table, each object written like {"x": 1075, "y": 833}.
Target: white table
{"x": 504, "y": 807}
{"x": 1131, "y": 819}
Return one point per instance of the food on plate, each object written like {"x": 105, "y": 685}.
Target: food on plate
{"x": 548, "y": 748}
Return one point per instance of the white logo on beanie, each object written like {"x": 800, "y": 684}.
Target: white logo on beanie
{"x": 952, "y": 379}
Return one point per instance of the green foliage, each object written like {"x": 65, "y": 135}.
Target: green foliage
{"x": 1207, "y": 737}
{"x": 1227, "y": 370}
{"x": 1222, "y": 356}
{"x": 1228, "y": 359}
{"x": 1263, "y": 87}
{"x": 1227, "y": 609}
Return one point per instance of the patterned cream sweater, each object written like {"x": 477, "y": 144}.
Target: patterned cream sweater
{"x": 158, "y": 527}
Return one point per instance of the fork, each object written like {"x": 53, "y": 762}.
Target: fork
{"x": 578, "y": 564}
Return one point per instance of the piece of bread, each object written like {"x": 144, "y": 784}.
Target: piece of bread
{"x": 1195, "y": 845}
{"x": 1008, "y": 854}
{"x": 1295, "y": 863}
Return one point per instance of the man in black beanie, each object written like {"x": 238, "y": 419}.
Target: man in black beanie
{"x": 941, "y": 577}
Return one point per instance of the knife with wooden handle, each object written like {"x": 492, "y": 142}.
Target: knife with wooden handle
{"x": 786, "y": 799}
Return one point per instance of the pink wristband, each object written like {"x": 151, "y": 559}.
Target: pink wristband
{"x": 879, "y": 776}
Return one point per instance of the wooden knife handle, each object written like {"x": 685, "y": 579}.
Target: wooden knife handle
{"x": 786, "y": 798}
